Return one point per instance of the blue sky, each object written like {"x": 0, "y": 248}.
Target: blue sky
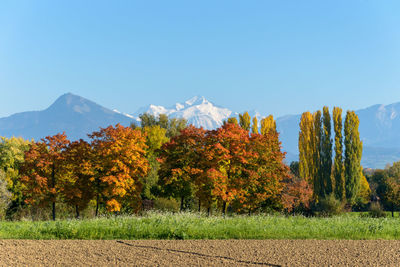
{"x": 279, "y": 57}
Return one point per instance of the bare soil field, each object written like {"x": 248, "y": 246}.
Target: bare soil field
{"x": 199, "y": 253}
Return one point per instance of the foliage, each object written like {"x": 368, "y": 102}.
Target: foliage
{"x": 120, "y": 164}
{"x": 244, "y": 121}
{"x": 329, "y": 206}
{"x": 43, "y": 172}
{"x": 306, "y": 149}
{"x": 376, "y": 211}
{"x": 326, "y": 155}
{"x": 352, "y": 157}
{"x": 338, "y": 169}
{"x": 268, "y": 124}
{"x": 254, "y": 127}
{"x": 297, "y": 194}
{"x": 5, "y": 195}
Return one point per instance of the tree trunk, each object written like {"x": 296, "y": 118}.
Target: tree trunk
{"x": 199, "y": 205}
{"x": 97, "y": 204}
{"x": 392, "y": 209}
{"x": 54, "y": 210}
{"x": 77, "y": 211}
{"x": 182, "y": 199}
{"x": 53, "y": 184}
{"x": 209, "y": 211}
{"x": 224, "y": 208}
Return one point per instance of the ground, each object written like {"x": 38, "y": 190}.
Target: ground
{"x": 199, "y": 253}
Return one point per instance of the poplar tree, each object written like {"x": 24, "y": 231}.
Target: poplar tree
{"x": 254, "y": 128}
{"x": 316, "y": 138}
{"x": 338, "y": 169}
{"x": 326, "y": 154}
{"x": 306, "y": 150}
{"x": 353, "y": 152}
{"x": 233, "y": 120}
{"x": 268, "y": 124}
{"x": 244, "y": 121}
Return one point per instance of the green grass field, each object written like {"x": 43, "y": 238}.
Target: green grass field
{"x": 198, "y": 226}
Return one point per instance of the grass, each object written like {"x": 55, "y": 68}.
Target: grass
{"x": 198, "y": 226}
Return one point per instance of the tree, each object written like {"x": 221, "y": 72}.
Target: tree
{"x": 254, "y": 128}
{"x": 306, "y": 147}
{"x": 228, "y": 153}
{"x": 338, "y": 169}
{"x": 244, "y": 121}
{"x": 233, "y": 120}
{"x": 12, "y": 151}
{"x": 297, "y": 194}
{"x": 353, "y": 153}
{"x": 180, "y": 160}
{"x": 268, "y": 124}
{"x": 326, "y": 154}
{"x": 79, "y": 188}
{"x": 120, "y": 164}
{"x": 155, "y": 138}
{"x": 5, "y": 195}
{"x": 43, "y": 171}
{"x": 317, "y": 148}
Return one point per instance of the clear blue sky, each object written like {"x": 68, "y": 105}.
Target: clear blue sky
{"x": 280, "y": 57}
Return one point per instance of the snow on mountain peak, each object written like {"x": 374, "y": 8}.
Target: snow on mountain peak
{"x": 197, "y": 111}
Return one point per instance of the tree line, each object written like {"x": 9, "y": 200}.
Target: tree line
{"x": 340, "y": 173}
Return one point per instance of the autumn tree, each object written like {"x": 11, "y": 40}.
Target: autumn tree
{"x": 254, "y": 128}
{"x": 268, "y": 124}
{"x": 296, "y": 195}
{"x": 12, "y": 151}
{"x": 326, "y": 155}
{"x": 232, "y": 120}
{"x": 338, "y": 168}
{"x": 353, "y": 152}
{"x": 180, "y": 159}
{"x": 78, "y": 188}
{"x": 306, "y": 147}
{"x": 244, "y": 121}
{"x": 120, "y": 164}
{"x": 43, "y": 171}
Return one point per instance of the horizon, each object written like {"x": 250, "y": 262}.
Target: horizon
{"x": 278, "y": 58}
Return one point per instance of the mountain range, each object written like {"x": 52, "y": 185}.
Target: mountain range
{"x": 77, "y": 116}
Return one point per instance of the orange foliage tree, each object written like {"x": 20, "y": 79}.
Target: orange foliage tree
{"x": 43, "y": 172}
{"x": 119, "y": 164}
{"x": 78, "y": 189}
{"x": 181, "y": 163}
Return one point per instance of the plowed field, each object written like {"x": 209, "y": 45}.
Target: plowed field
{"x": 199, "y": 252}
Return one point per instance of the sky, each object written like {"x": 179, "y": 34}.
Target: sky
{"x": 274, "y": 56}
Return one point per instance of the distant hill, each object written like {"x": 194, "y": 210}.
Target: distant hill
{"x": 73, "y": 114}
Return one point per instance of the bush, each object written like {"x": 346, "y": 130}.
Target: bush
{"x": 376, "y": 211}
{"x": 330, "y": 206}
{"x": 166, "y": 204}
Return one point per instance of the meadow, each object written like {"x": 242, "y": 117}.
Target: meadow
{"x": 186, "y": 225}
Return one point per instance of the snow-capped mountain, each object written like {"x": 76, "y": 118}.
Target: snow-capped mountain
{"x": 197, "y": 111}
{"x": 77, "y": 116}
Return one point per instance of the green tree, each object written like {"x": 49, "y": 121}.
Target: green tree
{"x": 233, "y": 120}
{"x": 317, "y": 136}
{"x": 244, "y": 121}
{"x": 338, "y": 169}
{"x": 326, "y": 154}
{"x": 353, "y": 153}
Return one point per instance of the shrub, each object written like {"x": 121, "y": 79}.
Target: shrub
{"x": 330, "y": 206}
{"x": 376, "y": 211}
{"x": 166, "y": 204}
{"x": 5, "y": 196}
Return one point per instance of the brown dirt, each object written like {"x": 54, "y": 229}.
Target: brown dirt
{"x": 200, "y": 252}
